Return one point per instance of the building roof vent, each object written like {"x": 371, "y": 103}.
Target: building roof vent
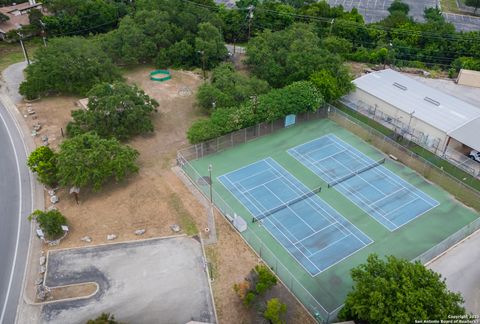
{"x": 400, "y": 86}
{"x": 432, "y": 101}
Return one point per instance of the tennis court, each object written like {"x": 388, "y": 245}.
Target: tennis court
{"x": 383, "y": 195}
{"x": 315, "y": 234}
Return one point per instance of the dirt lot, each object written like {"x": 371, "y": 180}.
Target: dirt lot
{"x": 155, "y": 198}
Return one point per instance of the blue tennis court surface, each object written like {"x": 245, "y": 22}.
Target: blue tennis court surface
{"x": 386, "y": 197}
{"x": 315, "y": 234}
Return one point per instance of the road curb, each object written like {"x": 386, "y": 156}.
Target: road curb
{"x": 36, "y": 192}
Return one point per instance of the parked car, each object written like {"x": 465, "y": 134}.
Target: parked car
{"x": 474, "y": 155}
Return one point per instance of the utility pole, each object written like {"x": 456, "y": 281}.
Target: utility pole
{"x": 23, "y": 48}
{"x": 250, "y": 18}
{"x": 331, "y": 27}
{"x": 44, "y": 33}
{"x": 210, "y": 177}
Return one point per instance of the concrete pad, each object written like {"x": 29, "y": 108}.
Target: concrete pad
{"x": 461, "y": 268}
{"x": 151, "y": 281}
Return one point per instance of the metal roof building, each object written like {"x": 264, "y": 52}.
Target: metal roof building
{"x": 431, "y": 117}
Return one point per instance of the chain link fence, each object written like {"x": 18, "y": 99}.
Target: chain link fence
{"x": 404, "y": 129}
{"x": 459, "y": 189}
{"x": 202, "y": 184}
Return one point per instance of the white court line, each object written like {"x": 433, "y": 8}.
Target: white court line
{"x": 326, "y": 212}
{"x": 281, "y": 232}
{"x": 333, "y": 243}
{"x": 306, "y": 237}
{"x": 388, "y": 196}
{"x": 341, "y": 185}
{"x": 279, "y": 170}
{"x": 253, "y": 175}
{"x": 260, "y": 185}
{"x": 391, "y": 176}
{"x": 288, "y": 207}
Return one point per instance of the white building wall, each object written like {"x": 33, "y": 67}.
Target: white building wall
{"x": 428, "y": 136}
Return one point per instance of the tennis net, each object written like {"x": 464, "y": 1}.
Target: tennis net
{"x": 287, "y": 204}
{"x": 353, "y": 174}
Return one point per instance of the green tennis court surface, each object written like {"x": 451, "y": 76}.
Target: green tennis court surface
{"x": 257, "y": 179}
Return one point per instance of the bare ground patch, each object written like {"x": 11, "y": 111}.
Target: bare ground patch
{"x": 155, "y": 198}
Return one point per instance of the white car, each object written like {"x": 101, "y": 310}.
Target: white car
{"x": 474, "y": 155}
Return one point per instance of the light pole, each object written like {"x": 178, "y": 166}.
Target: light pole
{"x": 24, "y": 48}
{"x": 210, "y": 176}
{"x": 203, "y": 63}
{"x": 44, "y": 33}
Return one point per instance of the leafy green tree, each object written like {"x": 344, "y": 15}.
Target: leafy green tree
{"x": 82, "y": 16}
{"x": 3, "y": 17}
{"x": 337, "y": 45}
{"x": 181, "y": 55}
{"x": 89, "y": 160}
{"x": 398, "y": 5}
{"x": 298, "y": 97}
{"x": 289, "y": 55}
{"x": 229, "y": 88}
{"x": 473, "y": 3}
{"x": 117, "y": 110}
{"x": 43, "y": 162}
{"x": 332, "y": 86}
{"x": 275, "y": 311}
{"x": 210, "y": 45}
{"x": 49, "y": 222}
{"x": 70, "y": 65}
{"x": 265, "y": 279}
{"x": 104, "y": 318}
{"x": 128, "y": 44}
{"x": 35, "y": 17}
{"x": 398, "y": 291}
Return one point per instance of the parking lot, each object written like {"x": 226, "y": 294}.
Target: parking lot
{"x": 151, "y": 281}
{"x": 376, "y": 10}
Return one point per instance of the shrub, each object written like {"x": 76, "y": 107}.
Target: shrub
{"x": 49, "y": 222}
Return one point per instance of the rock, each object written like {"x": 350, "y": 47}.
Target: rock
{"x": 175, "y": 228}
{"x": 51, "y": 193}
{"x": 140, "y": 231}
{"x": 111, "y": 237}
{"x": 54, "y": 199}
{"x": 43, "y": 269}
{"x": 87, "y": 239}
{"x": 52, "y": 207}
{"x": 43, "y": 259}
{"x": 39, "y": 281}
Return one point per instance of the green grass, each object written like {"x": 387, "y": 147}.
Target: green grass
{"x": 12, "y": 53}
{"x": 331, "y": 286}
{"x": 427, "y": 155}
{"x": 186, "y": 221}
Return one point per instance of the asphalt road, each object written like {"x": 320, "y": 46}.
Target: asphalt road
{"x": 15, "y": 206}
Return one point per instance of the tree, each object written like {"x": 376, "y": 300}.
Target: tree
{"x": 274, "y": 311}
{"x": 3, "y": 18}
{"x": 117, "y": 110}
{"x": 43, "y": 162}
{"x": 104, "y": 318}
{"x": 398, "y": 291}
{"x": 210, "y": 45}
{"x": 70, "y": 65}
{"x": 128, "y": 44}
{"x": 229, "y": 88}
{"x": 332, "y": 86}
{"x": 35, "y": 18}
{"x": 49, "y": 222}
{"x": 88, "y": 160}
{"x": 264, "y": 279}
{"x": 82, "y": 16}
{"x": 473, "y": 3}
{"x": 289, "y": 55}
{"x": 398, "y": 5}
